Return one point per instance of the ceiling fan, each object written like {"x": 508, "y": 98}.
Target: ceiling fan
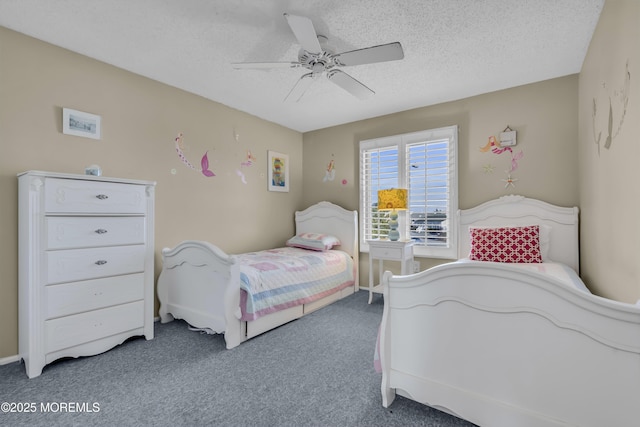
{"x": 316, "y": 56}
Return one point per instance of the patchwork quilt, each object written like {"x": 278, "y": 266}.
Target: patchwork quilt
{"x": 280, "y": 278}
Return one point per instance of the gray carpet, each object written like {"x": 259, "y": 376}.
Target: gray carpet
{"x": 315, "y": 371}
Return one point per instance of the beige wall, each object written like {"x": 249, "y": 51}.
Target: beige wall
{"x": 140, "y": 119}
{"x": 609, "y": 191}
{"x": 543, "y": 114}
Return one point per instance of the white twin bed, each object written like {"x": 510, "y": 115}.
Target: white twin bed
{"x": 247, "y": 294}
{"x": 509, "y": 344}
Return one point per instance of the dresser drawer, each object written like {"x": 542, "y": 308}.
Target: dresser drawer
{"x": 70, "y": 331}
{"x": 80, "y": 264}
{"x": 85, "y": 232}
{"x": 78, "y": 297}
{"x": 77, "y": 196}
{"x": 392, "y": 253}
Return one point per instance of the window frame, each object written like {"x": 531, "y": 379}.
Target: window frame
{"x": 402, "y": 142}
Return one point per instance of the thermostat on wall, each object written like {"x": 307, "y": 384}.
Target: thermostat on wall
{"x": 508, "y": 139}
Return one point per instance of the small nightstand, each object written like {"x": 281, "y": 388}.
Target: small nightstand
{"x": 401, "y": 250}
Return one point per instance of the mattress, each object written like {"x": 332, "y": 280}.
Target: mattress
{"x": 557, "y": 270}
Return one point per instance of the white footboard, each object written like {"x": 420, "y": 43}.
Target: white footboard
{"x": 200, "y": 284}
{"x": 501, "y": 347}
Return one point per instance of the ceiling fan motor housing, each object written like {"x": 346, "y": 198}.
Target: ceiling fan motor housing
{"x": 318, "y": 62}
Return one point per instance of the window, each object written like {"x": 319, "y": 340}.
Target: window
{"x": 426, "y": 164}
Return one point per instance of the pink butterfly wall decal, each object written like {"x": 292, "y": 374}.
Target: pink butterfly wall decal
{"x": 205, "y": 165}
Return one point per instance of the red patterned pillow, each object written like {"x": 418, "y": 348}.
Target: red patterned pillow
{"x": 506, "y": 244}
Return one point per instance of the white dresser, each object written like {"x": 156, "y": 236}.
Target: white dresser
{"x": 85, "y": 265}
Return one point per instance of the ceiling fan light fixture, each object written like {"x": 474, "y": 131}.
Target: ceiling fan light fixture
{"x": 317, "y": 68}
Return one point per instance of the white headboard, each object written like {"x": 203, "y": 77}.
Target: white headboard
{"x": 326, "y": 217}
{"x": 517, "y": 211}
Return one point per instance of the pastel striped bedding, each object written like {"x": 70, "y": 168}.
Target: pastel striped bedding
{"x": 280, "y": 278}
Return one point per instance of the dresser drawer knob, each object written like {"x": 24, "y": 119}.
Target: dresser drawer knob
{"x": 102, "y": 196}
{"x": 101, "y": 262}
{"x": 101, "y": 231}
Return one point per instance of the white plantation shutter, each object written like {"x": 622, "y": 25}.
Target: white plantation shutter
{"x": 424, "y": 163}
{"x": 379, "y": 170}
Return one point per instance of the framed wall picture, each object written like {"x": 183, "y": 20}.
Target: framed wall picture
{"x": 80, "y": 124}
{"x": 278, "y": 171}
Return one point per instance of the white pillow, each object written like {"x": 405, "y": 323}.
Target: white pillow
{"x": 545, "y": 241}
{"x": 314, "y": 241}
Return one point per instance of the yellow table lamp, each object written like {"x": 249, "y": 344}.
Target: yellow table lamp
{"x": 393, "y": 200}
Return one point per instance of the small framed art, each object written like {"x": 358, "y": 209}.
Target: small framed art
{"x": 278, "y": 171}
{"x": 79, "y": 123}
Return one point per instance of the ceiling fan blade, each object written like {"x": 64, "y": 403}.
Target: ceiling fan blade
{"x": 302, "y": 28}
{"x": 300, "y": 87}
{"x": 348, "y": 83}
{"x": 369, "y": 55}
{"x": 263, "y": 65}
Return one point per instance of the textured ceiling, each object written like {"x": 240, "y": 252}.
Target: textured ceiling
{"x": 453, "y": 48}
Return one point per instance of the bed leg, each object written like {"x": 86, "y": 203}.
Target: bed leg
{"x": 165, "y": 317}
{"x": 233, "y": 333}
{"x": 162, "y": 293}
{"x": 388, "y": 396}
{"x": 231, "y": 343}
